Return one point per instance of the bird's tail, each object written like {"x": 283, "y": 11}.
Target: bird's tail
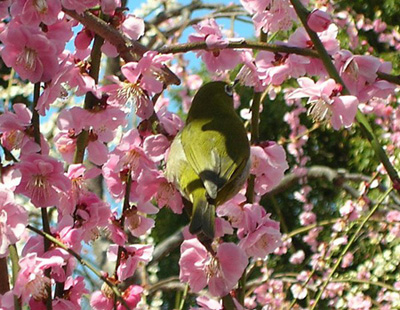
{"x": 203, "y": 217}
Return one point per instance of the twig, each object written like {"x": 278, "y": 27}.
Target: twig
{"x": 82, "y": 261}
{"x": 347, "y": 247}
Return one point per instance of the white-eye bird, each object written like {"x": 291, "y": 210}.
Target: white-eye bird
{"x": 209, "y": 160}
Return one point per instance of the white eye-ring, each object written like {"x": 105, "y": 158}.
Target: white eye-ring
{"x": 229, "y": 90}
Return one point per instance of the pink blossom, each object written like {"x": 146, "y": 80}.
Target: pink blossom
{"x": 325, "y": 104}
{"x": 71, "y": 300}
{"x": 168, "y": 195}
{"x": 328, "y": 38}
{"x": 234, "y": 210}
{"x": 249, "y": 74}
{"x": 254, "y": 6}
{"x": 298, "y": 291}
{"x": 104, "y": 299}
{"x": 14, "y": 128}
{"x": 318, "y": 20}
{"x": 268, "y": 165}
{"x": 109, "y": 6}
{"x": 90, "y": 214}
{"x": 216, "y": 58}
{"x": 275, "y": 68}
{"x": 297, "y": 258}
{"x": 220, "y": 272}
{"x": 33, "y": 12}
{"x": 13, "y": 219}
{"x": 29, "y": 52}
{"x": 137, "y": 223}
{"x": 131, "y": 256}
{"x": 4, "y": 5}
{"x": 141, "y": 83}
{"x": 31, "y": 279}
{"x": 347, "y": 260}
{"x": 307, "y": 218}
{"x": 171, "y": 122}
{"x": 393, "y": 216}
{"x": 79, "y": 5}
{"x": 262, "y": 240}
{"x": 133, "y": 26}
{"x": 129, "y": 158}
{"x": 278, "y": 16}
{"x": 359, "y": 302}
{"x": 42, "y": 179}
{"x": 155, "y": 146}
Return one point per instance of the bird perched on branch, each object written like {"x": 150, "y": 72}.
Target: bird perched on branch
{"x": 209, "y": 160}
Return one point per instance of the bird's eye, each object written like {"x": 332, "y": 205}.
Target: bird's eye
{"x": 229, "y": 90}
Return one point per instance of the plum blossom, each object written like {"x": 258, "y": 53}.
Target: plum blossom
{"x": 131, "y": 256}
{"x": 42, "y": 179}
{"x": 325, "y": 102}
{"x": 104, "y": 299}
{"x": 276, "y": 15}
{"x": 89, "y": 214}
{"x": 216, "y": 58}
{"x": 71, "y": 74}
{"x": 220, "y": 271}
{"x": 133, "y": 26}
{"x": 29, "y": 52}
{"x": 143, "y": 79}
{"x": 33, "y": 12}
{"x": 75, "y": 288}
{"x": 263, "y": 235}
{"x": 318, "y": 20}
{"x": 129, "y": 157}
{"x": 101, "y": 122}
{"x": 79, "y": 5}
{"x": 13, "y": 219}
{"x": 359, "y": 73}
{"x": 31, "y": 280}
{"x": 15, "y": 128}
{"x": 109, "y": 6}
{"x": 297, "y": 258}
{"x": 268, "y": 165}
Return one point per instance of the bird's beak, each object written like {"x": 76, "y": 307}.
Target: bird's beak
{"x": 235, "y": 82}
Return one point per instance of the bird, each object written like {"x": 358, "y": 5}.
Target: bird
{"x": 209, "y": 159}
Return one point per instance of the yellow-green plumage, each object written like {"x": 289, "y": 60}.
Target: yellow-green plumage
{"x": 209, "y": 158}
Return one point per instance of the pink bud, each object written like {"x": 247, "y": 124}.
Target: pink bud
{"x": 318, "y": 20}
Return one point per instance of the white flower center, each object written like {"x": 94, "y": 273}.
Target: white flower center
{"x": 27, "y": 58}
{"x": 38, "y": 287}
{"x": 41, "y": 6}
{"x": 319, "y": 110}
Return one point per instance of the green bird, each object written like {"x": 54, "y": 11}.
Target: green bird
{"x": 209, "y": 160}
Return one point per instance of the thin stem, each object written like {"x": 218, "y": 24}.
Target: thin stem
{"x": 8, "y": 91}
{"x": 82, "y": 261}
{"x": 125, "y": 207}
{"x": 347, "y": 247}
{"x": 43, "y": 211}
{"x": 4, "y": 285}
{"x": 90, "y": 99}
{"x": 275, "y": 48}
{"x": 183, "y": 298}
{"x": 15, "y": 269}
{"x": 333, "y": 73}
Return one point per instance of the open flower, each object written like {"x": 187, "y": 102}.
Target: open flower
{"x": 220, "y": 272}
{"x": 42, "y": 179}
{"x": 325, "y": 102}
{"x": 29, "y": 52}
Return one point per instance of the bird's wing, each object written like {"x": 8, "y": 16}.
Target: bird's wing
{"x": 206, "y": 153}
